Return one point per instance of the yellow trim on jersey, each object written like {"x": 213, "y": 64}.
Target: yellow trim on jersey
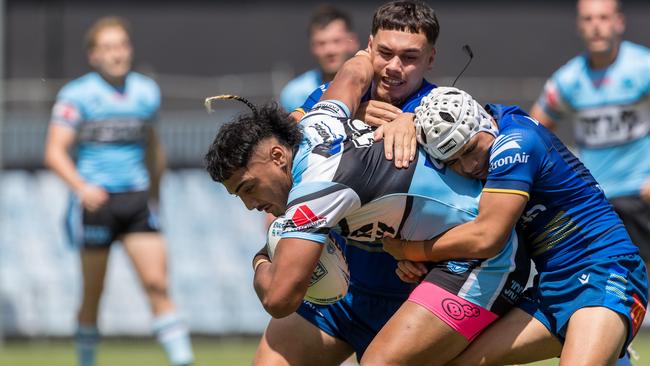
{"x": 299, "y": 109}
{"x": 511, "y": 191}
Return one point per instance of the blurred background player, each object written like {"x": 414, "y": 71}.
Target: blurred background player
{"x": 109, "y": 115}
{"x": 331, "y": 42}
{"x": 605, "y": 92}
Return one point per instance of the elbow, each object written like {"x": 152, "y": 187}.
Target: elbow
{"x": 487, "y": 250}
{"x": 47, "y": 158}
{"x": 280, "y": 308}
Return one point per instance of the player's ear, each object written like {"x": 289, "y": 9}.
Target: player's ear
{"x": 279, "y": 156}
{"x": 620, "y": 23}
{"x": 92, "y": 58}
{"x": 432, "y": 58}
{"x": 354, "y": 42}
{"x": 370, "y": 42}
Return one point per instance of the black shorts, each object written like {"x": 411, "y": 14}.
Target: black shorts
{"x": 635, "y": 214}
{"x": 123, "y": 213}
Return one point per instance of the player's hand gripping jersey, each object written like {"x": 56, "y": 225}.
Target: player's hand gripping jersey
{"x": 110, "y": 126}
{"x": 567, "y": 219}
{"x": 610, "y": 109}
{"x": 342, "y": 180}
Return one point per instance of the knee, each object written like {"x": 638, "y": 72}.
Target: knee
{"x": 156, "y": 288}
{"x": 377, "y": 357}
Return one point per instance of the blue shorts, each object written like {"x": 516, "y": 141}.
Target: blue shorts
{"x": 355, "y": 319}
{"x": 618, "y": 283}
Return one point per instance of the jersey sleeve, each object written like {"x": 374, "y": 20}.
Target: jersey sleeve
{"x": 67, "y": 109}
{"x": 515, "y": 158}
{"x": 313, "y": 98}
{"x": 551, "y": 100}
{"x": 315, "y": 208}
{"x": 155, "y": 101}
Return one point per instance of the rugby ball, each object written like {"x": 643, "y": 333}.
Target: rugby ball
{"x": 331, "y": 277}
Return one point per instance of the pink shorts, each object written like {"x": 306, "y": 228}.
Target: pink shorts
{"x": 461, "y": 315}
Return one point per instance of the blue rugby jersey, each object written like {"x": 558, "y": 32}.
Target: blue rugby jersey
{"x": 111, "y": 128}
{"x": 408, "y": 106}
{"x": 567, "y": 218}
{"x": 610, "y": 109}
{"x": 342, "y": 181}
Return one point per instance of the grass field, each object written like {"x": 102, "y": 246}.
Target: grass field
{"x": 209, "y": 352}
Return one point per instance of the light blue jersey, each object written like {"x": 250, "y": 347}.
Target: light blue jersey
{"x": 342, "y": 181}
{"x": 111, "y": 128}
{"x": 610, "y": 109}
{"x": 297, "y": 90}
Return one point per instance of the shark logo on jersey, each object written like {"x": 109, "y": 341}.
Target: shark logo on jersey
{"x": 503, "y": 144}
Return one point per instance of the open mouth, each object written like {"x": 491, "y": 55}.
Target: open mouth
{"x": 392, "y": 82}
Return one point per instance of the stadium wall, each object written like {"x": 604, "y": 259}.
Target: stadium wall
{"x": 211, "y": 238}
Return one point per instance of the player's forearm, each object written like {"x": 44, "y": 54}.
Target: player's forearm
{"x": 278, "y": 299}
{"x": 470, "y": 240}
{"x": 62, "y": 165}
{"x": 537, "y": 112}
{"x": 351, "y": 81}
{"x": 156, "y": 163}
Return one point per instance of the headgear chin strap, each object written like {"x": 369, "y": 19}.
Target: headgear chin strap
{"x": 447, "y": 119}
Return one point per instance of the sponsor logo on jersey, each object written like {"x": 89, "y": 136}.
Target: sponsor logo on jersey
{"x": 372, "y": 231}
{"x": 66, "y": 112}
{"x": 330, "y": 107}
{"x": 503, "y": 144}
{"x": 304, "y": 218}
{"x": 510, "y": 159}
{"x": 324, "y": 131}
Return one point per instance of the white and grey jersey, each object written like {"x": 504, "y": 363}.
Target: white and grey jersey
{"x": 342, "y": 181}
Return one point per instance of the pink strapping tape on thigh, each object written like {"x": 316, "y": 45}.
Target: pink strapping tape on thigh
{"x": 463, "y": 316}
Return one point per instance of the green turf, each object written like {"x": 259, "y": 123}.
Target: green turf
{"x": 208, "y": 352}
{"x": 125, "y": 353}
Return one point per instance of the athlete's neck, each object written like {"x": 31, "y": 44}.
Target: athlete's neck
{"x": 602, "y": 60}
{"x": 116, "y": 82}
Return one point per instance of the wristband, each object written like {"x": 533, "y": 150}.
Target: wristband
{"x": 258, "y": 262}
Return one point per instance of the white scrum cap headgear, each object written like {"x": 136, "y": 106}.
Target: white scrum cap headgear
{"x": 446, "y": 119}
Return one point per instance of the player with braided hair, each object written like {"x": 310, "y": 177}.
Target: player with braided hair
{"x": 590, "y": 295}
